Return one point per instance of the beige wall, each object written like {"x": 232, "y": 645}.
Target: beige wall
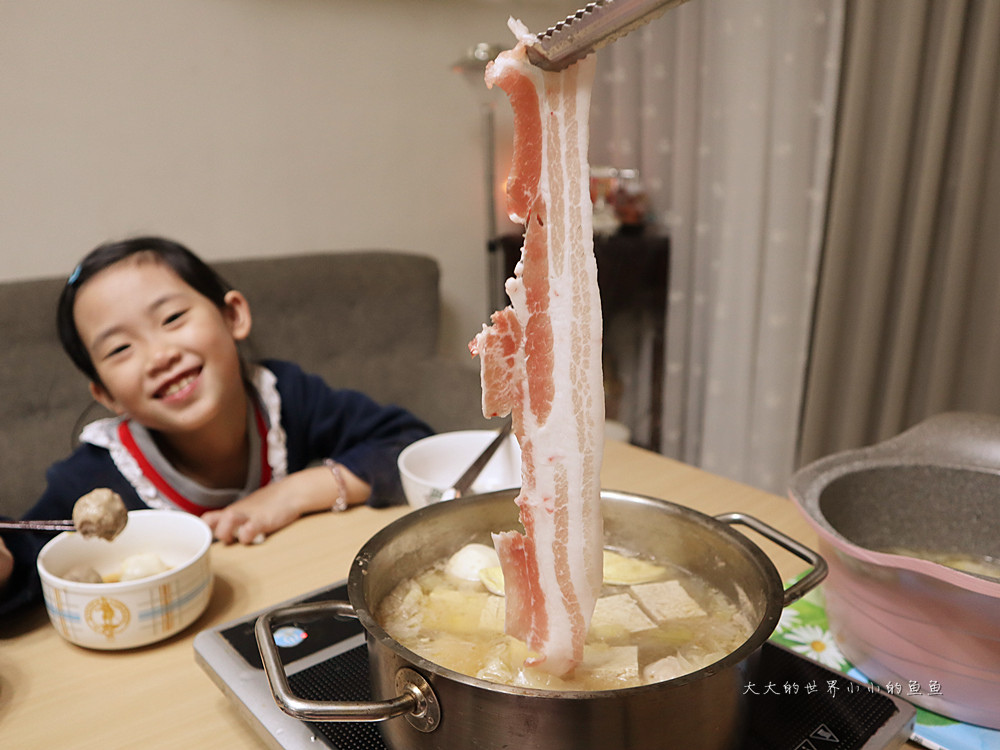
{"x": 250, "y": 127}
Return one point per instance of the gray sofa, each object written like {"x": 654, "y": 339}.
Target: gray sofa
{"x": 366, "y": 320}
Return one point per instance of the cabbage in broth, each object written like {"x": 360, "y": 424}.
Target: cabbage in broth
{"x": 653, "y": 622}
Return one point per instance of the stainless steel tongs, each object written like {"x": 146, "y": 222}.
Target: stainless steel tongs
{"x": 590, "y": 28}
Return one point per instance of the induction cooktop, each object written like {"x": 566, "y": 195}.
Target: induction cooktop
{"x": 326, "y": 659}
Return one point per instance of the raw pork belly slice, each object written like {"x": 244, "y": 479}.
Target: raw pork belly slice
{"x": 541, "y": 361}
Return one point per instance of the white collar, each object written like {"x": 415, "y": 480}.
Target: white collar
{"x": 104, "y": 434}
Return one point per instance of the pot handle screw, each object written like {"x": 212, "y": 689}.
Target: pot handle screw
{"x": 427, "y": 714}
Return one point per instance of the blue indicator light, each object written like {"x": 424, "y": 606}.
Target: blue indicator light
{"x": 289, "y": 636}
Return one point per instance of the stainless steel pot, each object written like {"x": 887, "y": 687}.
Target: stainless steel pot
{"x": 433, "y": 707}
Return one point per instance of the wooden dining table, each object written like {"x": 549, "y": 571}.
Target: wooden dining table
{"x": 55, "y": 695}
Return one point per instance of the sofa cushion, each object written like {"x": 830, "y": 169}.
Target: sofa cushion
{"x": 366, "y": 320}
{"x": 310, "y": 307}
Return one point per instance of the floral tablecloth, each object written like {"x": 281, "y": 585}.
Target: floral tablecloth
{"x": 804, "y": 629}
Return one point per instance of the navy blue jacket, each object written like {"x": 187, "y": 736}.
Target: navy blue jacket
{"x": 319, "y": 422}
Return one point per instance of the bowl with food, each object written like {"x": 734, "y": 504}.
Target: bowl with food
{"x": 908, "y": 527}
{"x": 430, "y": 467}
{"x": 149, "y": 582}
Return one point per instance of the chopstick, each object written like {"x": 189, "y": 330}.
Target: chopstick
{"x": 465, "y": 481}
{"x": 37, "y": 526}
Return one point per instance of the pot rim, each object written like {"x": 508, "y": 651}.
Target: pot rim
{"x": 763, "y": 630}
{"x": 808, "y": 484}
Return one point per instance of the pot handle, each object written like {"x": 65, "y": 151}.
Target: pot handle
{"x": 416, "y": 699}
{"x": 805, "y": 584}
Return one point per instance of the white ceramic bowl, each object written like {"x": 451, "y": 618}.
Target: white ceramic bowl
{"x": 127, "y": 614}
{"x": 429, "y": 467}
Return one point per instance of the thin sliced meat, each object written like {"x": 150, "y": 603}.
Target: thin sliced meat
{"x": 541, "y": 361}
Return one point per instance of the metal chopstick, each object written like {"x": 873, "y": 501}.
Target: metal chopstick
{"x": 40, "y": 525}
{"x": 469, "y": 476}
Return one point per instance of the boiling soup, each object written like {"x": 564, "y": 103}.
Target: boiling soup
{"x": 653, "y": 622}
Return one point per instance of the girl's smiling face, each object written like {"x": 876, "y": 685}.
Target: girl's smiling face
{"x": 165, "y": 354}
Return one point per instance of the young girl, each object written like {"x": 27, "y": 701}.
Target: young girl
{"x": 249, "y": 448}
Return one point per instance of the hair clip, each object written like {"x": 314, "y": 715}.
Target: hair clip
{"x": 75, "y": 275}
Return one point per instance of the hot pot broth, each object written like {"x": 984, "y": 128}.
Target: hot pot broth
{"x": 980, "y": 565}
{"x": 653, "y": 622}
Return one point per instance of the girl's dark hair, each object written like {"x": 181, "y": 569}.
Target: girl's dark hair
{"x": 193, "y": 271}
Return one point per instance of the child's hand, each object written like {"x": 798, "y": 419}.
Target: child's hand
{"x": 278, "y": 504}
{"x": 254, "y": 517}
{"x": 6, "y": 564}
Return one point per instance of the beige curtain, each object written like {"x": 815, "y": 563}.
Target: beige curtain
{"x": 908, "y": 309}
{"x": 727, "y": 108}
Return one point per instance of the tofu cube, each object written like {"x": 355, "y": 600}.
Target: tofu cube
{"x": 666, "y": 600}
{"x": 616, "y": 616}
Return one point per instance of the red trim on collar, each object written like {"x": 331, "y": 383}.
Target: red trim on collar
{"x": 128, "y": 440}
{"x": 265, "y": 467}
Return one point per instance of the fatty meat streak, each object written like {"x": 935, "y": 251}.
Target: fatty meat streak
{"x": 541, "y": 361}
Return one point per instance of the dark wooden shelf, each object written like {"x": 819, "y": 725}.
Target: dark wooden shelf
{"x": 633, "y": 271}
